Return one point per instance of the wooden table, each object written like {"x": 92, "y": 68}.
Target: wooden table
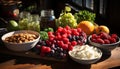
{"x": 107, "y": 61}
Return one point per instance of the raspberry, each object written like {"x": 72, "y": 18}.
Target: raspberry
{"x": 106, "y": 41}
{"x": 79, "y": 30}
{"x": 50, "y": 33}
{"x": 94, "y": 36}
{"x": 112, "y": 40}
{"x": 65, "y": 40}
{"x": 64, "y": 31}
{"x": 73, "y": 43}
{"x": 59, "y": 29}
{"x": 114, "y": 36}
{"x": 93, "y": 40}
{"x": 67, "y": 27}
{"x": 45, "y": 49}
{"x": 70, "y": 47}
{"x": 104, "y": 35}
{"x": 60, "y": 43}
{"x": 64, "y": 35}
{"x": 99, "y": 40}
{"x": 65, "y": 46}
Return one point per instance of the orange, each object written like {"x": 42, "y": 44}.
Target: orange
{"x": 86, "y": 26}
{"x": 102, "y": 28}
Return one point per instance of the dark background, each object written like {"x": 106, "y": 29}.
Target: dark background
{"x": 110, "y": 19}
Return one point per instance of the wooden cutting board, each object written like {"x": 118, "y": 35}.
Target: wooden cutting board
{"x": 108, "y": 61}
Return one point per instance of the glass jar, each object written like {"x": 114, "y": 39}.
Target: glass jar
{"x": 47, "y": 19}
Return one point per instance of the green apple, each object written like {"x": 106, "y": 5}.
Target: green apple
{"x": 13, "y": 25}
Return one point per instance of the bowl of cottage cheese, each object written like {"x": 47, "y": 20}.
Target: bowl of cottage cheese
{"x": 85, "y": 54}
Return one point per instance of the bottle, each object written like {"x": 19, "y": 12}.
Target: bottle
{"x": 47, "y": 19}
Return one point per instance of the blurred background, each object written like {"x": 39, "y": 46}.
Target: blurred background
{"x": 107, "y": 11}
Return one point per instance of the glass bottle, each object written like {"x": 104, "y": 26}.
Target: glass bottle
{"x": 47, "y": 19}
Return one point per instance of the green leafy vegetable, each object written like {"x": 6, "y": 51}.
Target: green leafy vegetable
{"x": 49, "y": 29}
{"x": 43, "y": 35}
{"x": 85, "y": 15}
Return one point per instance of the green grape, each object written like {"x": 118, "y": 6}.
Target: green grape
{"x": 67, "y": 19}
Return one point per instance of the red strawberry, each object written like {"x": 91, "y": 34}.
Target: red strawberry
{"x": 48, "y": 49}
{"x": 43, "y": 49}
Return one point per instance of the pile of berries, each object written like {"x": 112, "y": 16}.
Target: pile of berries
{"x": 61, "y": 41}
{"x": 104, "y": 38}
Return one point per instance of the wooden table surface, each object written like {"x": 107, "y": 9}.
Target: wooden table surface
{"x": 111, "y": 60}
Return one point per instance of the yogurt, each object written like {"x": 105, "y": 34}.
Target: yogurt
{"x": 85, "y": 52}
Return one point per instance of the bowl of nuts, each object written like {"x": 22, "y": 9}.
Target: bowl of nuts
{"x": 22, "y": 40}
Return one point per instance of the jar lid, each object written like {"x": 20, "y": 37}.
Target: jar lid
{"x": 47, "y": 12}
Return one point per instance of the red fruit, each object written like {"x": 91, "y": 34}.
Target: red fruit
{"x": 104, "y": 35}
{"x": 60, "y": 43}
{"x": 73, "y": 43}
{"x": 64, "y": 31}
{"x": 59, "y": 29}
{"x": 79, "y": 30}
{"x": 106, "y": 41}
{"x": 48, "y": 42}
{"x": 99, "y": 40}
{"x": 58, "y": 37}
{"x": 48, "y": 49}
{"x": 65, "y": 46}
{"x": 114, "y": 36}
{"x": 112, "y": 40}
{"x": 94, "y": 36}
{"x": 43, "y": 49}
{"x": 51, "y": 36}
{"x": 64, "y": 35}
{"x": 50, "y": 33}
{"x": 68, "y": 27}
{"x": 70, "y": 47}
{"x": 65, "y": 40}
{"x": 69, "y": 32}
{"x": 93, "y": 40}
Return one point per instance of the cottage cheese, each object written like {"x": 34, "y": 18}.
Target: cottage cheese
{"x": 85, "y": 52}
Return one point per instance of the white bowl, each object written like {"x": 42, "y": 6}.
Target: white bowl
{"x": 20, "y": 46}
{"x": 85, "y": 61}
{"x": 104, "y": 47}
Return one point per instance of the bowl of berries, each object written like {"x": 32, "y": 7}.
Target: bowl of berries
{"x": 104, "y": 41}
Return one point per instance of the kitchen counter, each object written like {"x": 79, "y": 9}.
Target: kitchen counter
{"x": 111, "y": 60}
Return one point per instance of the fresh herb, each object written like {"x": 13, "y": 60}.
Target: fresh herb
{"x": 43, "y": 35}
{"x": 85, "y": 15}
